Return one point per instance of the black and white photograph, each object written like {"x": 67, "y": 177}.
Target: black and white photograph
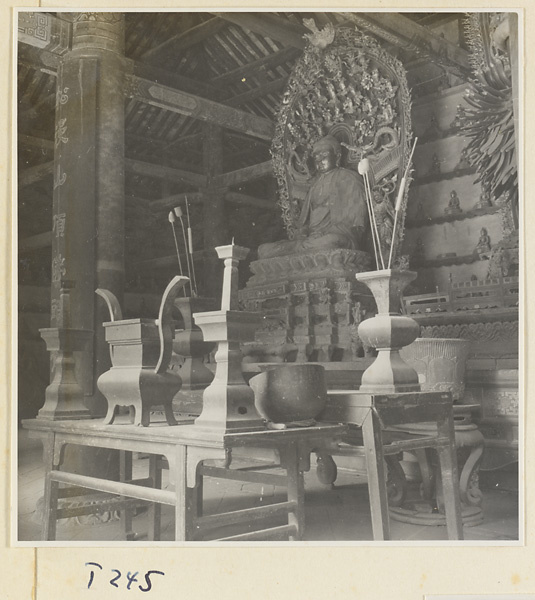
{"x": 268, "y": 272}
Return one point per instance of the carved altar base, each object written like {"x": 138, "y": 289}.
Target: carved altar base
{"x": 311, "y": 306}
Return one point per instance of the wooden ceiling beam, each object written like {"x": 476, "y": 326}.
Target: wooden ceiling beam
{"x": 408, "y": 35}
{"x": 246, "y": 200}
{"x": 35, "y": 142}
{"x": 439, "y": 18}
{"x": 199, "y": 108}
{"x": 271, "y": 61}
{"x": 146, "y": 169}
{"x": 183, "y": 40}
{"x": 269, "y": 25}
{"x": 170, "y": 202}
{"x": 174, "y": 80}
{"x": 35, "y": 242}
{"x": 166, "y": 262}
{"x": 176, "y": 200}
{"x": 243, "y": 175}
{"x": 262, "y": 90}
{"x": 33, "y": 174}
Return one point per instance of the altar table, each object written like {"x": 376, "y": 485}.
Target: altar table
{"x": 185, "y": 447}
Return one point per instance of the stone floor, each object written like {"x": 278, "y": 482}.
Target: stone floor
{"x": 339, "y": 513}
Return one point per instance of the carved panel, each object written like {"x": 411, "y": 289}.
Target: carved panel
{"x": 498, "y": 331}
{"x": 35, "y": 28}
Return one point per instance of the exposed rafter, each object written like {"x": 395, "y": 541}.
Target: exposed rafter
{"x": 271, "y": 61}
{"x": 174, "y": 80}
{"x": 183, "y": 40}
{"x": 398, "y": 29}
{"x": 260, "y": 91}
{"x": 270, "y": 25}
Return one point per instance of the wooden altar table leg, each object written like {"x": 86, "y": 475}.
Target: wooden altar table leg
{"x": 179, "y": 466}
{"x": 296, "y": 489}
{"x": 51, "y": 490}
{"x": 373, "y": 447}
{"x": 155, "y": 508}
{"x": 447, "y": 456}
{"x": 125, "y": 474}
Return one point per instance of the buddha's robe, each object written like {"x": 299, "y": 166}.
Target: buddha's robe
{"x": 333, "y": 216}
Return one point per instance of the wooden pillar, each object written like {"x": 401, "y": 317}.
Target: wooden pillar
{"x": 88, "y": 221}
{"x": 214, "y": 217}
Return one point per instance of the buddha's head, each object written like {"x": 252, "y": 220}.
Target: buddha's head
{"x": 326, "y": 153}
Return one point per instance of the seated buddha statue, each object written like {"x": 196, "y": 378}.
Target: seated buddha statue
{"x": 334, "y": 213}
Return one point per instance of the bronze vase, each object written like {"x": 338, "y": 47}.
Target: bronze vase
{"x": 388, "y": 331}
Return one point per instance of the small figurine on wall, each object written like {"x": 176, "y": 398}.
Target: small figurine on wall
{"x": 433, "y": 129}
{"x": 454, "y": 204}
{"x": 418, "y": 253}
{"x": 463, "y": 163}
{"x": 434, "y": 169}
{"x": 483, "y": 245}
{"x": 459, "y": 118}
{"x": 484, "y": 199}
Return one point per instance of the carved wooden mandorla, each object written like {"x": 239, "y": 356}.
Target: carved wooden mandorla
{"x": 347, "y": 86}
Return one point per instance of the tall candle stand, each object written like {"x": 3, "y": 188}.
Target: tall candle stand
{"x": 64, "y": 397}
{"x": 228, "y": 402}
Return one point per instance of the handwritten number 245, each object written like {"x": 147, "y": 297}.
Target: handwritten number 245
{"x": 130, "y": 577}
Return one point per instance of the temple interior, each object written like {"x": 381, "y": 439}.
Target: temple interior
{"x": 274, "y": 165}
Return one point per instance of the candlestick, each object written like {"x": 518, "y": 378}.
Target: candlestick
{"x": 228, "y": 402}
{"x": 231, "y": 255}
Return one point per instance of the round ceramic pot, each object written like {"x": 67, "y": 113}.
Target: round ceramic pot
{"x": 290, "y": 392}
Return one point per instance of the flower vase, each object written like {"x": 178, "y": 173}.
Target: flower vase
{"x": 388, "y": 331}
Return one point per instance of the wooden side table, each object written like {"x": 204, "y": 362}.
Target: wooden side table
{"x": 373, "y": 414}
{"x": 185, "y": 447}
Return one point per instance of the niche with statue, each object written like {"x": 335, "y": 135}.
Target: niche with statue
{"x": 347, "y": 99}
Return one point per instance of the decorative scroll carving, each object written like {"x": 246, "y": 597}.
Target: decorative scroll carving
{"x": 35, "y": 25}
{"x": 102, "y": 17}
{"x": 496, "y": 331}
{"x": 41, "y": 30}
{"x": 347, "y": 86}
{"x": 287, "y": 268}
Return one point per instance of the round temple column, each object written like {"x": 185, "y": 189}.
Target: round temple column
{"x": 88, "y": 240}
